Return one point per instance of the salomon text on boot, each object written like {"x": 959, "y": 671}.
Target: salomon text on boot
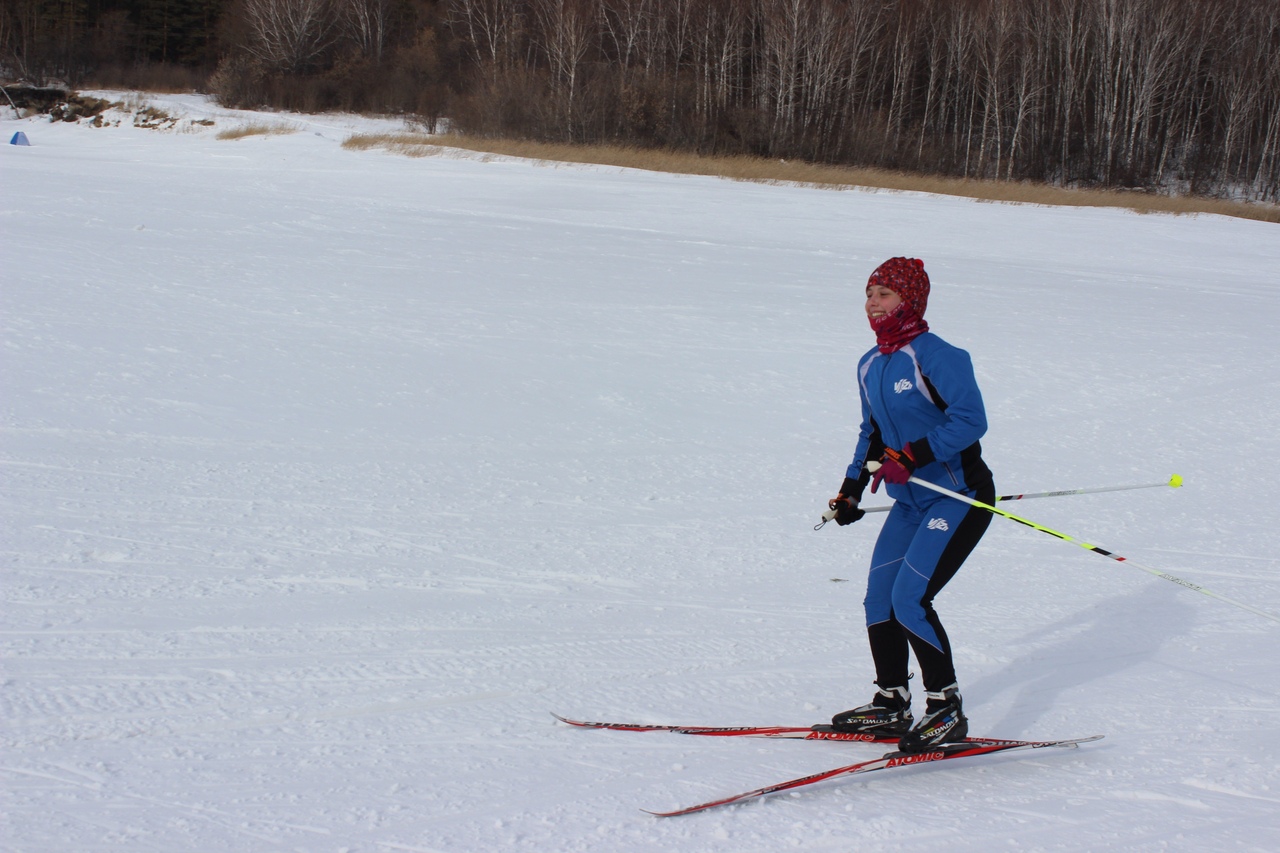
{"x": 888, "y": 713}
{"x": 943, "y": 722}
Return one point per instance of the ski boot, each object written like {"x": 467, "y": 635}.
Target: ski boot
{"x": 943, "y": 722}
{"x": 888, "y": 713}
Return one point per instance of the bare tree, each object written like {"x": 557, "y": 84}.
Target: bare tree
{"x": 1072, "y": 76}
{"x": 289, "y": 35}
{"x": 491, "y": 29}
{"x": 630, "y": 26}
{"x": 902, "y": 62}
{"x": 565, "y": 34}
{"x": 715, "y": 55}
{"x": 366, "y": 23}
{"x": 1266, "y": 178}
{"x": 782, "y": 55}
{"x": 1028, "y": 82}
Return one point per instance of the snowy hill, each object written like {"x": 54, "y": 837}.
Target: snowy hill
{"x": 328, "y": 474}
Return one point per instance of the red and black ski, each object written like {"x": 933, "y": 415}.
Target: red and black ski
{"x": 797, "y": 732}
{"x": 968, "y": 749}
{"x": 785, "y": 732}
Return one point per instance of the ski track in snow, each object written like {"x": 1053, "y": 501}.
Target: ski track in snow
{"x": 328, "y": 474}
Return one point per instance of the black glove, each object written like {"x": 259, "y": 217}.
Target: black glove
{"x": 846, "y": 504}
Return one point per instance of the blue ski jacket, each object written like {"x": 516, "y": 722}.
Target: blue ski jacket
{"x": 926, "y": 390}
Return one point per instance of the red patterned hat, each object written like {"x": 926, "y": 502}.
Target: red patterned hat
{"x": 907, "y": 278}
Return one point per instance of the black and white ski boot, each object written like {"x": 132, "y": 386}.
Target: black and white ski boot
{"x": 888, "y": 713}
{"x": 943, "y": 722}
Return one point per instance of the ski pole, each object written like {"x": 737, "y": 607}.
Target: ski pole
{"x": 1174, "y": 482}
{"x": 873, "y": 466}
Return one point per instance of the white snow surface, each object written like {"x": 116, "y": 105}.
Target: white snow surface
{"x": 329, "y": 474}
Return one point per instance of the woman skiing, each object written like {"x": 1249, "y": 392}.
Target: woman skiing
{"x": 922, "y": 416}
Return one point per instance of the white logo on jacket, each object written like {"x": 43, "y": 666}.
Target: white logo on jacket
{"x": 938, "y": 524}
{"x": 902, "y": 385}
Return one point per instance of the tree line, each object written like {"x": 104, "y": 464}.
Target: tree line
{"x": 1170, "y": 95}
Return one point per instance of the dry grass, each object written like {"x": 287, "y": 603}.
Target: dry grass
{"x": 258, "y": 129}
{"x": 827, "y": 177}
{"x": 408, "y": 144}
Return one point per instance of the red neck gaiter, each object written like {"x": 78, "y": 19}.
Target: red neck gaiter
{"x": 897, "y": 328}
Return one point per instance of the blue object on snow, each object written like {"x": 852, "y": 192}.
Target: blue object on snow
{"x": 19, "y": 138}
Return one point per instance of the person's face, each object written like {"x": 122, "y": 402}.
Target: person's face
{"x": 881, "y": 300}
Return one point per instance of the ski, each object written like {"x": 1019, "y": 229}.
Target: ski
{"x": 820, "y": 732}
{"x": 967, "y": 749}
{"x": 797, "y": 732}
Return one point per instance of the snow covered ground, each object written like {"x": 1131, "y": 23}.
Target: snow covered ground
{"x": 328, "y": 474}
